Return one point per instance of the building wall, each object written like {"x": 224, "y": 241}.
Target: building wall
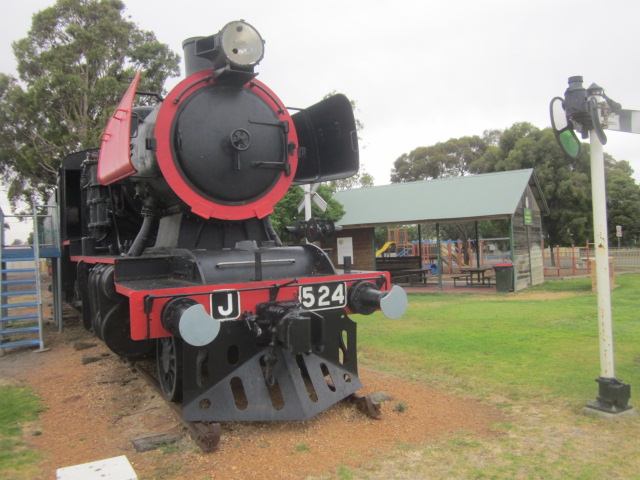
{"x": 527, "y": 240}
{"x": 362, "y": 247}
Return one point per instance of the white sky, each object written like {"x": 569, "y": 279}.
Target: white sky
{"x": 421, "y": 71}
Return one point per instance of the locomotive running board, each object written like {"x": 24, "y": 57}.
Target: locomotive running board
{"x": 231, "y": 379}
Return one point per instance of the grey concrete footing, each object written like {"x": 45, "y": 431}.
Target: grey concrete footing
{"x": 609, "y": 416}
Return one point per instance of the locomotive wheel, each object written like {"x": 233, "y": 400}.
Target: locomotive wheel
{"x": 169, "y": 362}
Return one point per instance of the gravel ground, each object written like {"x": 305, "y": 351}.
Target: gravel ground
{"x": 93, "y": 411}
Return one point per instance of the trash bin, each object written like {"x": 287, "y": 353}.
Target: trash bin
{"x": 504, "y": 277}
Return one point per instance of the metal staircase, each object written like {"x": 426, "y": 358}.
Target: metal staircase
{"x": 21, "y": 317}
{"x": 20, "y": 299}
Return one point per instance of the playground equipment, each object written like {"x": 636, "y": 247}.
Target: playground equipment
{"x": 454, "y": 255}
{"x": 384, "y": 248}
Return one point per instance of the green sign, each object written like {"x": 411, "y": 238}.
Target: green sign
{"x": 528, "y": 217}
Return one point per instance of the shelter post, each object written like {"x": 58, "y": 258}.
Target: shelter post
{"x": 439, "y": 247}
{"x": 420, "y": 246}
{"x": 477, "y": 245}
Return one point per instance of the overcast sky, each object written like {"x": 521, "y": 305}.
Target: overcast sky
{"x": 420, "y": 71}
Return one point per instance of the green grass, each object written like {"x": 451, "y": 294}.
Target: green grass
{"x": 507, "y": 343}
{"x": 17, "y": 407}
{"x": 344, "y": 473}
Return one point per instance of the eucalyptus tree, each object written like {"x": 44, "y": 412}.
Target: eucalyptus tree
{"x": 74, "y": 65}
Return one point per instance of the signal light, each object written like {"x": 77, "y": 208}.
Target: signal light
{"x": 563, "y": 129}
{"x": 314, "y": 229}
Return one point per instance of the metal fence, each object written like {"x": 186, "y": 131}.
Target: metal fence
{"x": 18, "y": 231}
{"x": 576, "y": 261}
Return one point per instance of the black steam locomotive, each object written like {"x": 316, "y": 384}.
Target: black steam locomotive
{"x": 168, "y": 246}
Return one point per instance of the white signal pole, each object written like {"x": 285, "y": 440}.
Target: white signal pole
{"x": 613, "y": 394}
{"x": 599, "y": 201}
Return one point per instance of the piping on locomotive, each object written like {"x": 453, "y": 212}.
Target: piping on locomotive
{"x": 168, "y": 246}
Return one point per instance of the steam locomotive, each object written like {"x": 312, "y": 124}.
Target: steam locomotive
{"x": 169, "y": 249}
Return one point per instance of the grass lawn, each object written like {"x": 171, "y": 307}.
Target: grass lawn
{"x": 532, "y": 353}
{"x": 17, "y": 407}
{"x": 512, "y": 344}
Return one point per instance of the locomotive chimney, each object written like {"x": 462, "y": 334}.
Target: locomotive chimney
{"x": 192, "y": 62}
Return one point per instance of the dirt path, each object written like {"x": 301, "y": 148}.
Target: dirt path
{"x": 93, "y": 411}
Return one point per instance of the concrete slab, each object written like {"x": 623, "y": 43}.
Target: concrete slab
{"x": 116, "y": 468}
{"x": 609, "y": 416}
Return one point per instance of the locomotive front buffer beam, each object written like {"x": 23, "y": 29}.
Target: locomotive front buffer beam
{"x": 272, "y": 360}
{"x": 282, "y": 363}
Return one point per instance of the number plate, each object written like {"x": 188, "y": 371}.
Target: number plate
{"x": 323, "y": 296}
{"x": 225, "y": 305}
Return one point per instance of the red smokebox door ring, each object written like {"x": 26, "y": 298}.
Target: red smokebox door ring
{"x": 199, "y": 205}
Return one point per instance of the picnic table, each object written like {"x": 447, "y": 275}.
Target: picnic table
{"x": 475, "y": 277}
{"x": 403, "y": 269}
{"x": 412, "y": 275}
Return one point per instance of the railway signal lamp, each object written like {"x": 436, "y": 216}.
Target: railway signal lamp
{"x": 314, "y": 229}
{"x": 304, "y": 229}
{"x": 577, "y": 106}
{"x": 586, "y": 110}
{"x": 563, "y": 129}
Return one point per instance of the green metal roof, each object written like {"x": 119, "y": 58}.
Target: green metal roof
{"x": 473, "y": 197}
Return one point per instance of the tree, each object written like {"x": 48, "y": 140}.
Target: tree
{"x": 447, "y": 159}
{"x": 359, "y": 180}
{"x": 74, "y": 66}
{"x": 623, "y": 202}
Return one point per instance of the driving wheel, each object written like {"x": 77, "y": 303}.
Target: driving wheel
{"x": 169, "y": 361}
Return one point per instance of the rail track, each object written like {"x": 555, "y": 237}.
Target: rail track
{"x": 207, "y": 435}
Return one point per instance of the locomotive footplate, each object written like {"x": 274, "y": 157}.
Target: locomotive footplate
{"x": 236, "y": 378}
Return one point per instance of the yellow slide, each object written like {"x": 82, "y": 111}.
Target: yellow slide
{"x": 384, "y": 248}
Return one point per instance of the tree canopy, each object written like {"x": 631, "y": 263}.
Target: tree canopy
{"x": 565, "y": 182}
{"x": 447, "y": 159}
{"x": 74, "y": 66}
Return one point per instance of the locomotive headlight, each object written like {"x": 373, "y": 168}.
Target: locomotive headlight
{"x": 241, "y": 44}
{"x": 233, "y": 52}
